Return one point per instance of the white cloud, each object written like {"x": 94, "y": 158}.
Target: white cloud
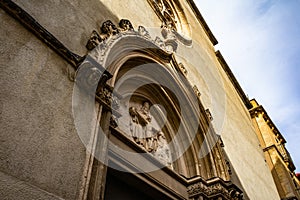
{"x": 260, "y": 42}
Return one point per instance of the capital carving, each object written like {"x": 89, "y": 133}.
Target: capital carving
{"x": 108, "y": 97}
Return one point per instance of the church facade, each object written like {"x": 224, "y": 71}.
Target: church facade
{"x": 127, "y": 100}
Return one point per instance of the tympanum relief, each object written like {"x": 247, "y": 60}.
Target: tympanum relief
{"x": 144, "y": 130}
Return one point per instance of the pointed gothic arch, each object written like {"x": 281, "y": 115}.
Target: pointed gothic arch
{"x": 148, "y": 72}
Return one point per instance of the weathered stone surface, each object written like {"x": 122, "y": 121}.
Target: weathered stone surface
{"x": 38, "y": 140}
{"x": 15, "y": 189}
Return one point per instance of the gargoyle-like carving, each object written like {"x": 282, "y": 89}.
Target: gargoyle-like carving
{"x": 107, "y": 29}
{"x": 144, "y": 134}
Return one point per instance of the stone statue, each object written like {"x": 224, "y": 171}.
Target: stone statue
{"x": 148, "y": 129}
{"x": 135, "y": 127}
{"x": 162, "y": 151}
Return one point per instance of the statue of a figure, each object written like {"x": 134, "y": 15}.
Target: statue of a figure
{"x": 149, "y": 130}
{"x": 135, "y": 127}
{"x": 163, "y": 151}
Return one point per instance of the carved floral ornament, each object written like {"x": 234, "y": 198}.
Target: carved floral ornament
{"x": 100, "y": 44}
{"x": 109, "y": 32}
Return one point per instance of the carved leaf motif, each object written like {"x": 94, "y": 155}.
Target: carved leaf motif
{"x": 94, "y": 40}
{"x": 109, "y": 28}
{"x": 125, "y": 25}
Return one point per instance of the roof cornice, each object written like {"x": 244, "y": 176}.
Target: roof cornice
{"x": 233, "y": 80}
{"x": 203, "y": 23}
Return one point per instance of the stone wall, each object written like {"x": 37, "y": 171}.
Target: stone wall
{"x": 39, "y": 144}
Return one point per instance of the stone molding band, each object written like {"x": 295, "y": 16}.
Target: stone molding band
{"x": 40, "y": 32}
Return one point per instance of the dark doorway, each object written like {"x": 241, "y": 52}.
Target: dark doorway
{"x": 125, "y": 186}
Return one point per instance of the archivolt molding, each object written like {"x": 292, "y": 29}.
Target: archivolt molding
{"x": 100, "y": 44}
{"x": 111, "y": 48}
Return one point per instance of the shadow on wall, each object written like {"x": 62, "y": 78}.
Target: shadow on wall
{"x": 39, "y": 142}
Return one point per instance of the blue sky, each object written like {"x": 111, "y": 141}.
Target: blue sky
{"x": 260, "y": 40}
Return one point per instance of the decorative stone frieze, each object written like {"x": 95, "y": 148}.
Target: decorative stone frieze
{"x": 214, "y": 189}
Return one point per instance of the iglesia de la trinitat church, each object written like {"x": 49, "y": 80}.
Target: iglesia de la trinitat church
{"x": 127, "y": 100}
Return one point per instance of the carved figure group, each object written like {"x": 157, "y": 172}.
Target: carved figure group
{"x": 145, "y": 135}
